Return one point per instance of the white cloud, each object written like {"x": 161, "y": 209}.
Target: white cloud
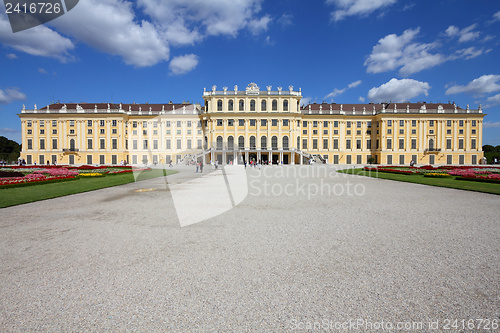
{"x": 496, "y": 16}
{"x": 110, "y": 26}
{"x": 395, "y": 51}
{"x": 465, "y": 35}
{"x": 285, "y": 20}
{"x": 189, "y": 21}
{"x": 493, "y": 100}
{"x": 398, "y": 91}
{"x": 10, "y": 95}
{"x": 183, "y": 64}
{"x": 347, "y": 8}
{"x": 42, "y": 71}
{"x": 337, "y": 92}
{"x": 361, "y": 99}
{"x": 469, "y": 53}
{"x": 305, "y": 100}
{"x": 9, "y": 130}
{"x": 482, "y": 85}
{"x": 489, "y": 124}
{"x": 37, "y": 41}
{"x": 11, "y": 56}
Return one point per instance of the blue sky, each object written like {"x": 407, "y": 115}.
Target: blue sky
{"x": 345, "y": 51}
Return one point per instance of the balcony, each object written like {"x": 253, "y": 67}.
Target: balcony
{"x": 70, "y": 150}
{"x": 432, "y": 150}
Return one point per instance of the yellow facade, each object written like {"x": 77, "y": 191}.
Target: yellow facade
{"x": 252, "y": 125}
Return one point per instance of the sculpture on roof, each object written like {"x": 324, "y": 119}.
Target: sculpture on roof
{"x": 252, "y": 89}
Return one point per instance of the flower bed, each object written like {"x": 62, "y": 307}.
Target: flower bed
{"x": 437, "y": 175}
{"x": 91, "y": 174}
{"x": 33, "y": 179}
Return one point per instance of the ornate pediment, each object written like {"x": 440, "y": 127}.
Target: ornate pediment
{"x": 252, "y": 89}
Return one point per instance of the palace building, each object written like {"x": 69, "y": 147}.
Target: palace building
{"x": 237, "y": 126}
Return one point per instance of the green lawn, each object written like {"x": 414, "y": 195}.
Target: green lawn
{"x": 420, "y": 179}
{"x": 20, "y": 195}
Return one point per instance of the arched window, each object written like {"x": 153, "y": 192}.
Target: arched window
{"x": 263, "y": 105}
{"x": 252, "y": 105}
{"x": 275, "y": 105}
{"x": 230, "y": 143}
{"x": 263, "y": 142}
{"x": 285, "y": 142}
{"x": 219, "y": 142}
{"x": 241, "y": 142}
{"x": 274, "y": 142}
{"x": 219, "y": 105}
{"x": 252, "y": 142}
{"x": 242, "y": 105}
{"x": 230, "y": 105}
{"x": 285, "y": 105}
{"x": 431, "y": 144}
{"x": 298, "y": 142}
{"x": 72, "y": 144}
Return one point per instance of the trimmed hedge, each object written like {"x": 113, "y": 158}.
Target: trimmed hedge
{"x": 484, "y": 180}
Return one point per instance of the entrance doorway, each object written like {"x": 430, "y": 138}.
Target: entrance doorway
{"x": 276, "y": 158}
{"x": 252, "y": 157}
{"x": 285, "y": 159}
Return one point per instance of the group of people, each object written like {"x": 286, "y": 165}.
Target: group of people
{"x": 199, "y": 167}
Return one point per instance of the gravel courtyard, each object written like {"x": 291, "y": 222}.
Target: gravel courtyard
{"x": 307, "y": 249}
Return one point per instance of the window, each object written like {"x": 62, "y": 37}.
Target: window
{"x": 114, "y": 123}
{"x": 263, "y": 122}
{"x": 335, "y": 124}
{"x": 179, "y": 124}
{"x": 274, "y": 122}
{"x": 263, "y": 105}
{"x": 401, "y": 131}
{"x": 230, "y": 122}
{"x": 389, "y": 143}
{"x": 134, "y": 144}
{"x": 335, "y": 143}
{"x": 460, "y": 131}
{"x": 103, "y": 144}
{"x": 169, "y": 144}
{"x": 389, "y": 131}
{"x": 71, "y": 131}
{"x": 325, "y": 123}
{"x": 413, "y": 131}
{"x": 253, "y": 142}
{"x": 348, "y": 144}
{"x": 241, "y": 142}
{"x": 189, "y": 123}
{"x": 252, "y": 122}
{"x": 431, "y": 131}
{"x": 285, "y": 122}
{"x": 54, "y": 143}
{"x": 30, "y": 143}
{"x": 230, "y": 105}
{"x": 448, "y": 123}
{"x": 198, "y": 124}
{"x": 189, "y": 144}
{"x": 252, "y": 105}
{"x": 144, "y": 124}
{"x": 242, "y": 105}
{"x": 230, "y": 143}
{"x": 413, "y": 143}
{"x": 54, "y": 123}
{"x": 348, "y": 124}
{"x": 30, "y": 131}
{"x": 42, "y": 131}
{"x": 29, "y": 123}
{"x": 304, "y": 143}
{"x": 42, "y": 123}
{"x": 368, "y": 144}
{"x": 89, "y": 144}
{"x": 473, "y": 144}
{"x": 219, "y": 105}
{"x": 54, "y": 131}
{"x": 473, "y": 123}
{"x": 431, "y": 123}
{"x": 401, "y": 123}
{"x": 167, "y": 124}
{"x": 358, "y": 124}
{"x": 241, "y": 122}
{"x": 377, "y": 144}
{"x": 263, "y": 142}
{"x": 298, "y": 142}
{"x": 285, "y": 142}
{"x": 389, "y": 159}
{"x": 219, "y": 122}
{"x": 389, "y": 122}
{"x": 348, "y": 132}
{"x": 358, "y": 132}
{"x": 401, "y": 143}
{"x": 199, "y": 144}
{"x": 448, "y": 143}
{"x": 335, "y": 132}
{"x": 114, "y": 131}
{"x": 178, "y": 132}
{"x": 285, "y": 105}
{"x": 72, "y": 123}
{"x": 304, "y": 132}
{"x": 315, "y": 143}
{"x": 460, "y": 123}
{"x": 431, "y": 144}
{"x": 413, "y": 123}
{"x": 358, "y": 144}
{"x": 134, "y": 124}
{"x": 179, "y": 144}
{"x": 114, "y": 143}
{"x": 348, "y": 159}
{"x": 101, "y": 131}
{"x": 304, "y": 123}
{"x": 325, "y": 132}
{"x": 168, "y": 132}
{"x": 315, "y": 123}
{"x": 101, "y": 122}
{"x": 369, "y": 124}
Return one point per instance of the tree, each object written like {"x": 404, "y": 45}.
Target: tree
{"x": 9, "y": 149}
{"x": 488, "y": 148}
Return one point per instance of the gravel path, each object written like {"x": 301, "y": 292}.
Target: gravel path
{"x": 318, "y": 248}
